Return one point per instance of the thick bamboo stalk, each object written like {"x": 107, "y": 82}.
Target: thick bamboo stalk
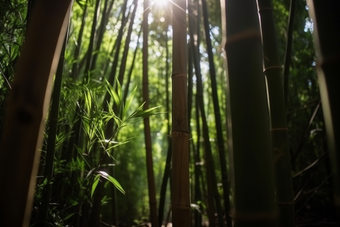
{"x": 180, "y": 133}
{"x": 279, "y": 131}
{"x": 325, "y": 15}
{"x": 250, "y": 148}
{"x": 27, "y": 108}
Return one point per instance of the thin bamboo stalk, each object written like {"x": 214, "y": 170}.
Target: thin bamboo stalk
{"x": 198, "y": 173}
{"x": 114, "y": 66}
{"x": 28, "y": 103}
{"x": 217, "y": 115}
{"x": 127, "y": 84}
{"x": 213, "y": 195}
{"x": 101, "y": 31}
{"x": 122, "y": 68}
{"x": 146, "y": 120}
{"x": 75, "y": 65}
{"x": 288, "y": 55}
{"x": 52, "y": 134}
{"x": 167, "y": 168}
{"x": 89, "y": 58}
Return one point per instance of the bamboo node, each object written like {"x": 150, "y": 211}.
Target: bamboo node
{"x": 272, "y": 67}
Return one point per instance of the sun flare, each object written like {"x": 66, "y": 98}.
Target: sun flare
{"x": 161, "y": 4}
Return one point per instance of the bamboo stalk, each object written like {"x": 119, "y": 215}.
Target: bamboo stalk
{"x": 167, "y": 168}
{"x": 278, "y": 129}
{"x": 213, "y": 195}
{"x": 180, "y": 133}
{"x": 248, "y": 119}
{"x": 325, "y": 15}
{"x": 288, "y": 54}
{"x": 52, "y": 134}
{"x": 146, "y": 120}
{"x": 27, "y": 109}
{"x": 122, "y": 68}
{"x": 217, "y": 115}
{"x": 75, "y": 65}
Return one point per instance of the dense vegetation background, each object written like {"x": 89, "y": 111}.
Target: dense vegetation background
{"x": 101, "y": 84}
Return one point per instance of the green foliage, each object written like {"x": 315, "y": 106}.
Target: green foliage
{"x": 86, "y": 155}
{"x": 12, "y": 30}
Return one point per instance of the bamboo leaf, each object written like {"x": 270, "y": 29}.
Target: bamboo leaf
{"x": 112, "y": 180}
{"x": 88, "y": 101}
{"x": 95, "y": 183}
{"x": 89, "y": 173}
{"x": 144, "y": 113}
{"x": 119, "y": 91}
{"x": 128, "y": 102}
{"x": 108, "y": 141}
{"x": 112, "y": 93}
{"x": 68, "y": 216}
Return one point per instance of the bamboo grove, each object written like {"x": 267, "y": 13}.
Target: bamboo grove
{"x": 146, "y": 113}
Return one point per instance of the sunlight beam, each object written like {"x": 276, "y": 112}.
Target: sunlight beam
{"x": 160, "y": 4}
